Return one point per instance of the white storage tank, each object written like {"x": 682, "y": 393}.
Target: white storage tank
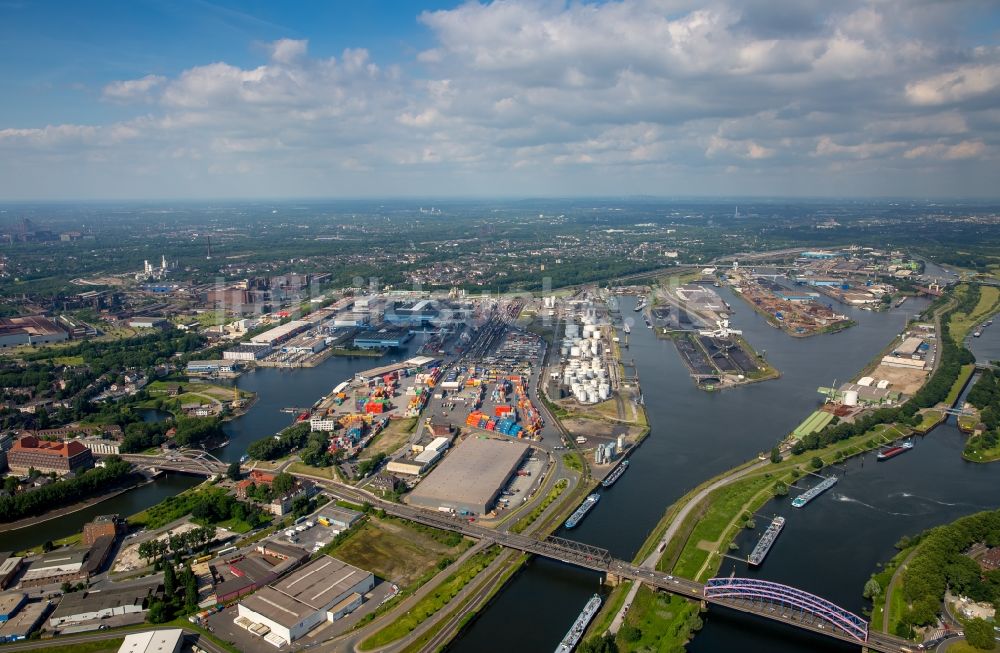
{"x": 604, "y": 391}
{"x": 851, "y": 398}
{"x": 621, "y": 443}
{"x": 574, "y": 352}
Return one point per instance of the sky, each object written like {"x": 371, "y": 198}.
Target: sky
{"x": 200, "y": 99}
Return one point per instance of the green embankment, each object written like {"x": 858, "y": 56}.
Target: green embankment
{"x": 529, "y": 519}
{"x": 434, "y": 601}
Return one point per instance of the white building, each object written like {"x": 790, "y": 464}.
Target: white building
{"x": 322, "y": 423}
{"x": 100, "y": 446}
{"x": 324, "y": 590}
{"x": 154, "y": 641}
{"x": 246, "y": 352}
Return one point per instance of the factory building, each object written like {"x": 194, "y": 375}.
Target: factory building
{"x": 26, "y": 620}
{"x": 100, "y": 446}
{"x": 60, "y": 457}
{"x": 385, "y": 338}
{"x": 471, "y": 477}
{"x": 81, "y": 607}
{"x": 339, "y": 518}
{"x": 324, "y": 590}
{"x": 103, "y": 526}
{"x": 56, "y": 567}
{"x": 10, "y": 603}
{"x": 280, "y": 333}
{"x": 9, "y": 567}
{"x": 211, "y": 367}
{"x": 30, "y": 330}
{"x": 169, "y": 640}
{"x": 247, "y": 352}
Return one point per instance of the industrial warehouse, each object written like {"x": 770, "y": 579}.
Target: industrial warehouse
{"x": 324, "y": 590}
{"x": 470, "y": 478}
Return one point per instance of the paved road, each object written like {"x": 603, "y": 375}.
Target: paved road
{"x": 671, "y": 532}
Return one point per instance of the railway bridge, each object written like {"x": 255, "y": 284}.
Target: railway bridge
{"x": 773, "y": 601}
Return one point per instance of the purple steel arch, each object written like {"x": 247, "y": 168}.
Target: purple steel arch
{"x": 751, "y": 588}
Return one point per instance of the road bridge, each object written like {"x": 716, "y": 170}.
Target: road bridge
{"x": 773, "y": 601}
{"x": 770, "y": 600}
{"x": 185, "y": 461}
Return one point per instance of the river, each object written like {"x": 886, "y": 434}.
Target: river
{"x": 829, "y": 548}
{"x": 276, "y": 388}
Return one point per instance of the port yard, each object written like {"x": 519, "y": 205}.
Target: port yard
{"x": 793, "y": 309}
{"x": 697, "y": 320}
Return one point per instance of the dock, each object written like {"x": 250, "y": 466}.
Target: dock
{"x": 766, "y": 541}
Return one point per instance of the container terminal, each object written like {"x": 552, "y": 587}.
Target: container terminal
{"x": 615, "y": 474}
{"x": 766, "y": 541}
{"x": 584, "y": 508}
{"x": 814, "y": 492}
{"x": 572, "y": 638}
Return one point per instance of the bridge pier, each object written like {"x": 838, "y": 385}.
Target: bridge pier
{"x": 612, "y": 580}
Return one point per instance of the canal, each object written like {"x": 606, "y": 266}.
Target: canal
{"x": 829, "y": 548}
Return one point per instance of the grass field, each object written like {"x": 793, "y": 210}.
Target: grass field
{"x": 529, "y": 519}
{"x": 434, "y": 601}
{"x": 928, "y": 419}
{"x": 573, "y": 461}
{"x": 102, "y": 646}
{"x": 961, "y": 324}
{"x": 724, "y": 505}
{"x": 394, "y": 550}
{"x": 956, "y": 388}
{"x": 302, "y": 468}
{"x": 395, "y": 435}
{"x": 980, "y": 454}
{"x": 964, "y": 647}
{"x": 663, "y": 620}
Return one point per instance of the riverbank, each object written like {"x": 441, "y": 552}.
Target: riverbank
{"x": 76, "y": 507}
{"x": 714, "y": 514}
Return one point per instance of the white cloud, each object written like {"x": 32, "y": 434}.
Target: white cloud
{"x": 540, "y": 96}
{"x": 962, "y": 83}
{"x": 133, "y": 89}
{"x": 288, "y": 50}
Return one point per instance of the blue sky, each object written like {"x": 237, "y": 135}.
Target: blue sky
{"x": 197, "y": 99}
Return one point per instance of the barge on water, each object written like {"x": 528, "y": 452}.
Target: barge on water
{"x": 814, "y": 491}
{"x": 892, "y": 452}
{"x": 584, "y": 508}
{"x": 766, "y": 542}
{"x": 615, "y": 474}
{"x": 572, "y": 638}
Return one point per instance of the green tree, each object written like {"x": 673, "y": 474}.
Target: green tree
{"x": 872, "y": 589}
{"x": 979, "y": 633}
{"x": 605, "y": 644}
{"x": 157, "y": 612}
{"x": 775, "y": 455}
{"x": 234, "y": 472}
{"x": 282, "y": 484}
{"x": 816, "y": 462}
{"x": 169, "y": 581}
{"x": 630, "y": 633}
